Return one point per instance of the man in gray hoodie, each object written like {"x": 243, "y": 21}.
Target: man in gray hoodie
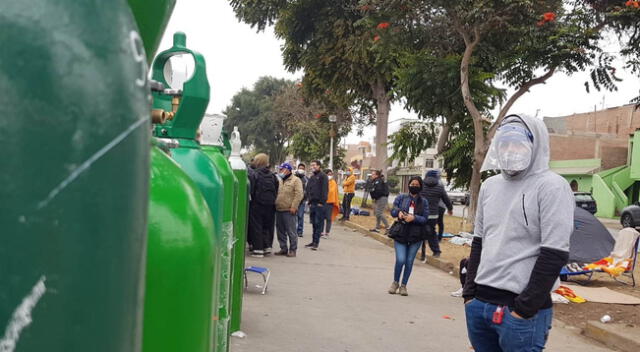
{"x": 524, "y": 221}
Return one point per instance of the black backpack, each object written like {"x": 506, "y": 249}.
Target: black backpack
{"x": 266, "y": 190}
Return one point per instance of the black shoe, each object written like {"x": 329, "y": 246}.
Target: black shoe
{"x": 436, "y": 255}
{"x": 314, "y": 247}
{"x": 300, "y": 235}
{"x": 375, "y": 230}
{"x": 282, "y": 252}
{"x": 310, "y": 245}
{"x": 423, "y": 258}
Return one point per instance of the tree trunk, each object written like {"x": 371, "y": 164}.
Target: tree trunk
{"x": 383, "y": 102}
{"x": 444, "y": 136}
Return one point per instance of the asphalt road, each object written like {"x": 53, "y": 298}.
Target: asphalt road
{"x": 335, "y": 300}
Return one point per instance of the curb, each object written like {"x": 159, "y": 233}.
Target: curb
{"x": 618, "y": 336}
{"x": 438, "y": 263}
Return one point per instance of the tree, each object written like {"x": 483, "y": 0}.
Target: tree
{"x": 253, "y": 112}
{"x": 520, "y": 43}
{"x": 307, "y": 122}
{"x": 335, "y": 43}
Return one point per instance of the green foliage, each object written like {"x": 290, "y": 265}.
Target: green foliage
{"x": 252, "y": 111}
{"x": 412, "y": 139}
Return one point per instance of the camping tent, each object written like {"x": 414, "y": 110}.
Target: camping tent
{"x": 590, "y": 241}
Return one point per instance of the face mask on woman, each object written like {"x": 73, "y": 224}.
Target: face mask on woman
{"x": 331, "y": 177}
{"x": 414, "y": 189}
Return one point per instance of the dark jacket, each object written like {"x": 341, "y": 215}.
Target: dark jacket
{"x": 433, "y": 191}
{"x": 261, "y": 180}
{"x": 317, "y": 188}
{"x": 304, "y": 180}
{"x": 379, "y": 188}
{"x": 416, "y": 230}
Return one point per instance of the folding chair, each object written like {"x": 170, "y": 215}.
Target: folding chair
{"x": 266, "y": 274}
{"x": 634, "y": 263}
{"x": 566, "y": 272}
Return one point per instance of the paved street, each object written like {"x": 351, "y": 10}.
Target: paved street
{"x": 335, "y": 300}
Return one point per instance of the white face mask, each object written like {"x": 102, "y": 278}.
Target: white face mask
{"x": 300, "y": 172}
{"x": 331, "y": 177}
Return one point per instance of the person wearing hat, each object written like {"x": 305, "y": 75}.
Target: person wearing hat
{"x": 290, "y": 194}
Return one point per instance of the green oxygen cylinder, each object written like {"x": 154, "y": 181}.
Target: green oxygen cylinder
{"x": 184, "y": 104}
{"x": 75, "y": 176}
{"x": 180, "y": 256}
{"x": 240, "y": 230}
{"x": 212, "y": 146}
{"x": 152, "y": 17}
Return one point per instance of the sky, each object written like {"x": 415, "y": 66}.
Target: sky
{"x": 237, "y": 56}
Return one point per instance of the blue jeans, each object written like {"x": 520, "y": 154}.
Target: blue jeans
{"x": 513, "y": 335}
{"x": 301, "y": 217}
{"x": 405, "y": 255}
{"x": 317, "y": 215}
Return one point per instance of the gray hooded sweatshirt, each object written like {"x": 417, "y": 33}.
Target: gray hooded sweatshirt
{"x": 518, "y": 218}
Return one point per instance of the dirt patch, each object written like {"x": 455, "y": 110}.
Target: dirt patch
{"x": 572, "y": 313}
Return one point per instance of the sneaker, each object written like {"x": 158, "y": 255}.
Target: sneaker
{"x": 423, "y": 258}
{"x": 457, "y": 293}
{"x": 291, "y": 254}
{"x": 281, "y": 252}
{"x": 436, "y": 255}
{"x": 325, "y": 235}
{"x": 309, "y": 245}
{"x": 267, "y": 251}
{"x": 394, "y": 288}
{"x": 300, "y": 234}
{"x": 403, "y": 290}
{"x": 374, "y": 230}
{"x": 314, "y": 247}
{"x": 257, "y": 254}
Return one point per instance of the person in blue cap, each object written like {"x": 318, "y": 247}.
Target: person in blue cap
{"x": 290, "y": 194}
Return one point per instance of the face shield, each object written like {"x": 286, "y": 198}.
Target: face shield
{"x": 511, "y": 150}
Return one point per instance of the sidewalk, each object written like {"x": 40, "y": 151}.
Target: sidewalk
{"x": 335, "y": 300}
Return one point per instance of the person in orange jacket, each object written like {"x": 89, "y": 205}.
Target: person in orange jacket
{"x": 332, "y": 208}
{"x": 349, "y": 189}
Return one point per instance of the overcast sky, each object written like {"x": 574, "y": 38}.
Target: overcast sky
{"x": 237, "y": 56}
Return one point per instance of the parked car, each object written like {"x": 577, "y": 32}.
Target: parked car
{"x": 360, "y": 184}
{"x": 585, "y": 201}
{"x": 458, "y": 196}
{"x": 630, "y": 216}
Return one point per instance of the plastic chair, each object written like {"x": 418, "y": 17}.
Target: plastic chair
{"x": 266, "y": 274}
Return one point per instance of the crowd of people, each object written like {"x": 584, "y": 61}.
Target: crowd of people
{"x": 523, "y": 223}
{"x": 278, "y": 203}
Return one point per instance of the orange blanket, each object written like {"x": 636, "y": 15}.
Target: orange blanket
{"x": 607, "y": 265}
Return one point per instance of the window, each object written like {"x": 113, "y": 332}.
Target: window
{"x": 429, "y": 163}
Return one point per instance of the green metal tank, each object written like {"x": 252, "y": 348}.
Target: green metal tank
{"x": 212, "y": 146}
{"x": 179, "y": 281}
{"x": 152, "y": 17}
{"x": 74, "y": 182}
{"x": 185, "y": 103}
{"x": 239, "y": 229}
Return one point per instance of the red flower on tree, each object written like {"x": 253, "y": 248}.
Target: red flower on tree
{"x": 383, "y": 25}
{"x": 376, "y": 38}
{"x": 549, "y": 16}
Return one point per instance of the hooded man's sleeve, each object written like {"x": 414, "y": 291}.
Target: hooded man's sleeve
{"x": 556, "y": 225}
{"x": 469, "y": 291}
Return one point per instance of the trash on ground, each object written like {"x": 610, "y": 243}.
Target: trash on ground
{"x": 605, "y": 319}
{"x": 460, "y": 241}
{"x": 556, "y": 298}
{"x": 239, "y": 334}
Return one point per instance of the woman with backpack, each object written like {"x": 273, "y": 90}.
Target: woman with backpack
{"x": 412, "y": 212}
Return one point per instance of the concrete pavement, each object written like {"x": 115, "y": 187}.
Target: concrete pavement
{"x": 335, "y": 300}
